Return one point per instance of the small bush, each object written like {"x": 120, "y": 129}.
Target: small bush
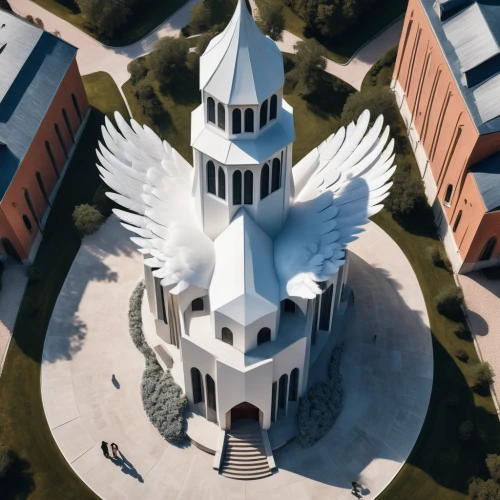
{"x": 482, "y": 374}
{"x": 39, "y": 22}
{"x": 407, "y": 195}
{"x": 5, "y": 460}
{"x": 389, "y": 58}
{"x": 87, "y": 219}
{"x": 193, "y": 62}
{"x": 30, "y": 19}
{"x": 463, "y": 355}
{"x": 483, "y": 490}
{"x": 34, "y": 274}
{"x": 493, "y": 464}
{"x": 138, "y": 69}
{"x": 203, "y": 41}
{"x": 463, "y": 332}
{"x": 200, "y": 18}
{"x": 449, "y": 302}
{"x": 440, "y": 260}
{"x": 465, "y": 431}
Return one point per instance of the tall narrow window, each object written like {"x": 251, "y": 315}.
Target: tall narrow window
{"x": 211, "y": 110}
{"x": 274, "y": 390}
{"x": 457, "y": 221}
{"x": 27, "y": 223}
{"x": 221, "y": 176}
{"x": 211, "y": 177}
{"x": 236, "y": 187}
{"x": 227, "y": 336}
{"x": 293, "y": 392}
{"x": 61, "y": 140}
{"x": 236, "y": 121}
{"x": 27, "y": 197}
{"x": 315, "y": 321}
{"x": 211, "y": 397}
{"x": 197, "y": 383}
{"x": 488, "y": 249}
{"x": 264, "y": 181}
{"x": 273, "y": 110}
{"x": 326, "y": 309}
{"x": 264, "y": 335}
{"x": 263, "y": 114}
{"x": 41, "y": 185}
{"x": 77, "y": 107}
{"x": 447, "y": 196}
{"x": 197, "y": 305}
{"x": 249, "y": 120}
{"x": 276, "y": 178}
{"x": 68, "y": 124}
{"x": 51, "y": 157}
{"x": 283, "y": 389}
{"x": 289, "y": 306}
{"x": 248, "y": 187}
{"x": 221, "y": 116}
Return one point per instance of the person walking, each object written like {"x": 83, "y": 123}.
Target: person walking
{"x": 114, "y": 449}
{"x": 104, "y": 448}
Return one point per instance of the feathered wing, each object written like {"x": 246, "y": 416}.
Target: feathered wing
{"x": 153, "y": 182}
{"x": 337, "y": 186}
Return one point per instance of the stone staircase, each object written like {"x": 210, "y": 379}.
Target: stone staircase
{"x": 245, "y": 456}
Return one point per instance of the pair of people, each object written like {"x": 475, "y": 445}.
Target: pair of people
{"x": 105, "y": 449}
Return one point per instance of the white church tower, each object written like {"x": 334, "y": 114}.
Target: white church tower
{"x": 242, "y": 133}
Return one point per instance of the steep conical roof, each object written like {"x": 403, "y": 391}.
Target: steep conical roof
{"x": 241, "y": 65}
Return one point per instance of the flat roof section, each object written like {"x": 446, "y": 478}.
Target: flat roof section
{"x": 487, "y": 176}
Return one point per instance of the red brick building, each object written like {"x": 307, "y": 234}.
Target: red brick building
{"x": 42, "y": 107}
{"x": 447, "y": 83}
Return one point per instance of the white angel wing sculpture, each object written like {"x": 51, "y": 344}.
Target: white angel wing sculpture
{"x": 338, "y": 186}
{"x": 154, "y": 181}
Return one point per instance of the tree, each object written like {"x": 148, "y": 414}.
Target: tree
{"x": 87, "y": 219}
{"x": 493, "y": 464}
{"x": 482, "y": 375}
{"x": 148, "y": 100}
{"x": 105, "y": 17}
{"x": 449, "y": 302}
{"x": 200, "y": 17}
{"x": 271, "y": 20}
{"x": 203, "y": 41}
{"x": 379, "y": 101}
{"x": 484, "y": 490}
{"x": 193, "y": 62}
{"x": 310, "y": 62}
{"x": 138, "y": 69}
{"x": 407, "y": 194}
{"x": 169, "y": 58}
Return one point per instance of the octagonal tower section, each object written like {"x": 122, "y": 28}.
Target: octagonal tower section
{"x": 243, "y": 131}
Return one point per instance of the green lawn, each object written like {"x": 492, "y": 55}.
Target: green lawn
{"x": 40, "y": 470}
{"x": 104, "y": 95}
{"x": 140, "y": 23}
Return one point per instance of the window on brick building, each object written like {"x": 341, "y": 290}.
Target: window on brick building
{"x": 447, "y": 196}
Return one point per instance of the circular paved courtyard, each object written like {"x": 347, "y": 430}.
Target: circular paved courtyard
{"x": 91, "y": 375}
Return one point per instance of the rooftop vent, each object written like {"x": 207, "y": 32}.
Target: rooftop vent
{"x": 447, "y": 8}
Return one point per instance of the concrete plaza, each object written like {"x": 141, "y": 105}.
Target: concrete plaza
{"x": 91, "y": 377}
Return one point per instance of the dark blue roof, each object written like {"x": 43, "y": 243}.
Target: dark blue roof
{"x": 37, "y": 62}
{"x": 487, "y": 176}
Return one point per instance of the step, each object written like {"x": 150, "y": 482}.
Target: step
{"x": 244, "y": 458}
{"x": 239, "y": 444}
{"x": 246, "y": 466}
{"x": 244, "y": 438}
{"x": 243, "y": 452}
{"x": 245, "y": 435}
{"x": 247, "y": 477}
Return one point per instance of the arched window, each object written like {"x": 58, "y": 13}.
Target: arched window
{"x": 197, "y": 383}
{"x": 227, "y": 336}
{"x": 197, "y": 305}
{"x": 27, "y": 223}
{"x": 10, "y": 250}
{"x": 61, "y": 141}
{"x": 276, "y": 176}
{"x": 283, "y": 389}
{"x": 293, "y": 392}
{"x": 77, "y": 107}
{"x": 221, "y": 116}
{"x": 236, "y": 121}
{"x": 211, "y": 398}
{"x": 488, "y": 249}
{"x": 249, "y": 120}
{"x": 273, "y": 110}
{"x": 449, "y": 192}
{"x": 52, "y": 159}
{"x": 289, "y": 306}
{"x": 68, "y": 124}
{"x": 236, "y": 187}
{"x": 263, "y": 114}
{"x": 211, "y": 110}
{"x": 264, "y": 181}
{"x": 27, "y": 197}
{"x": 248, "y": 187}
{"x": 39, "y": 179}
{"x": 221, "y": 176}
{"x": 211, "y": 177}
{"x": 457, "y": 221}
{"x": 264, "y": 335}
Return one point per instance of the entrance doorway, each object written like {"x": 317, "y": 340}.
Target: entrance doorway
{"x": 244, "y": 411}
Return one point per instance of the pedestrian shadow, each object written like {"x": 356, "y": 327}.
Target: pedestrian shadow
{"x": 126, "y": 466}
{"x": 115, "y": 381}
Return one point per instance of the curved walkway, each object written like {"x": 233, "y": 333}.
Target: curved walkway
{"x": 91, "y": 376}
{"x": 93, "y": 56}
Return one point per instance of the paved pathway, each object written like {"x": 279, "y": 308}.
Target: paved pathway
{"x": 387, "y": 385}
{"x": 482, "y": 298}
{"x": 93, "y": 56}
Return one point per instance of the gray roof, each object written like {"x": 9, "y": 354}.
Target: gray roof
{"x": 486, "y": 173}
{"x": 32, "y": 66}
{"x": 469, "y": 35}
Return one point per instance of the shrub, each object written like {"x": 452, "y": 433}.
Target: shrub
{"x": 440, "y": 260}
{"x": 138, "y": 69}
{"x": 5, "y": 460}
{"x": 34, "y": 274}
{"x": 463, "y": 332}
{"x": 87, "y": 219}
{"x": 39, "y": 22}
{"x": 162, "y": 399}
{"x": 101, "y": 201}
{"x": 148, "y": 100}
{"x": 193, "y": 62}
{"x": 203, "y": 41}
{"x": 320, "y": 406}
{"x": 484, "y": 490}
{"x": 200, "y": 18}
{"x": 407, "y": 194}
{"x": 463, "y": 355}
{"x": 271, "y": 20}
{"x": 449, "y": 302}
{"x": 389, "y": 58}
{"x": 465, "y": 431}
{"x": 482, "y": 374}
{"x": 30, "y": 19}
{"x": 168, "y": 59}
{"x": 493, "y": 464}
